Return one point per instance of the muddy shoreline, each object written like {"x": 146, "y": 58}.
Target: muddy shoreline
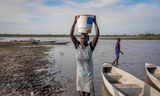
{"x": 20, "y": 72}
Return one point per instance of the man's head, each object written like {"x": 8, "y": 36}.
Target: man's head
{"x": 84, "y": 38}
{"x": 118, "y": 40}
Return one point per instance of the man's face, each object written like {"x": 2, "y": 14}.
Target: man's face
{"x": 118, "y": 40}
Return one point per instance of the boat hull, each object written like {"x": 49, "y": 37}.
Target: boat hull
{"x": 129, "y": 86}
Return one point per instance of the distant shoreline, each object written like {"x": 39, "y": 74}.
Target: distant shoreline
{"x": 132, "y": 38}
{"x": 147, "y": 36}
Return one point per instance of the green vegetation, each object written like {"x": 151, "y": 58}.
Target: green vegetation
{"x": 32, "y": 35}
{"x": 146, "y": 36}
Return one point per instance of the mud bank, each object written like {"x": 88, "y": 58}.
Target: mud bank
{"x": 20, "y": 73}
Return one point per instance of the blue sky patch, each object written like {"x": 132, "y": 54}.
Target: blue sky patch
{"x": 52, "y": 2}
{"x": 132, "y": 2}
{"x": 82, "y": 1}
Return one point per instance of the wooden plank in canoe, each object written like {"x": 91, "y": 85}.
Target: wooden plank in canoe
{"x": 113, "y": 78}
{"x": 129, "y": 89}
{"x": 157, "y": 76}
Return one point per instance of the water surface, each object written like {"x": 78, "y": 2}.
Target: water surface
{"x": 136, "y": 54}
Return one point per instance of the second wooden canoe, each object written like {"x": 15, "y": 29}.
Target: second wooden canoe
{"x": 121, "y": 83}
{"x": 153, "y": 72}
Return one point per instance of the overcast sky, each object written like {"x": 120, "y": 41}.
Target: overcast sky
{"x": 56, "y": 16}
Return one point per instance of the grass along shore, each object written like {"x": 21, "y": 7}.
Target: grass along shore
{"x": 146, "y": 36}
{"x": 132, "y": 37}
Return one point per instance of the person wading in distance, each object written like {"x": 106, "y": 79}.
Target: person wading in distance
{"x": 117, "y": 51}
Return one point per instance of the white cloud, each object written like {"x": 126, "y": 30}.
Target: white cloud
{"x": 12, "y": 11}
{"x": 113, "y": 16}
{"x": 132, "y": 19}
{"x": 93, "y": 3}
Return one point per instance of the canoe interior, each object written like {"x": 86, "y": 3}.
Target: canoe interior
{"x": 154, "y": 70}
{"x": 119, "y": 81}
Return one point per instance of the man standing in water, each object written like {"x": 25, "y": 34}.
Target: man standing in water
{"x": 84, "y": 50}
{"x": 117, "y": 51}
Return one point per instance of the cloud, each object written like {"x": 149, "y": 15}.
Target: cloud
{"x": 33, "y": 16}
{"x": 12, "y": 11}
{"x": 132, "y": 19}
{"x": 93, "y": 3}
